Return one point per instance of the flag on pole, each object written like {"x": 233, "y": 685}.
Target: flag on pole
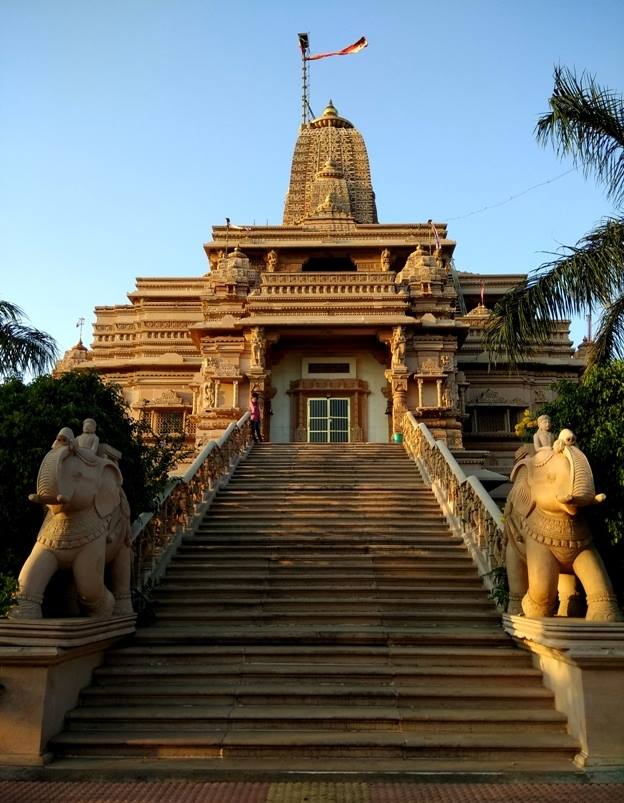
{"x": 436, "y": 237}
{"x": 482, "y": 293}
{"x": 346, "y": 51}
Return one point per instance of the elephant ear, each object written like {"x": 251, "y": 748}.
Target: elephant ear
{"x": 109, "y": 488}
{"x": 520, "y": 497}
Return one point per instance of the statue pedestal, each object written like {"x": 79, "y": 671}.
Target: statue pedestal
{"x": 583, "y": 664}
{"x": 44, "y": 664}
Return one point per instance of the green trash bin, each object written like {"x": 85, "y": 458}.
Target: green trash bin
{"x": 397, "y": 437}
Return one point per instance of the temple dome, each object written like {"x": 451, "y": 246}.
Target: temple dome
{"x": 330, "y": 151}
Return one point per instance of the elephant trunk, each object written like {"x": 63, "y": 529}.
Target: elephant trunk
{"x": 49, "y": 491}
{"x": 582, "y": 490}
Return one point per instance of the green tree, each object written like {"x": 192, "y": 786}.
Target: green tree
{"x": 31, "y": 416}
{"x": 22, "y": 347}
{"x": 586, "y": 122}
{"x": 594, "y": 411}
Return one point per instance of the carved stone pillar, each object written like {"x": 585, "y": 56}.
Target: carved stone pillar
{"x": 399, "y": 401}
{"x": 439, "y": 391}
{"x": 235, "y": 393}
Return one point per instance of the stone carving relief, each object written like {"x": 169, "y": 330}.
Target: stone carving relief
{"x": 258, "y": 348}
{"x": 271, "y": 261}
{"x": 385, "y": 260}
{"x": 446, "y": 362}
{"x": 167, "y": 398}
{"x": 209, "y": 394}
{"x": 397, "y": 347}
{"x": 429, "y": 366}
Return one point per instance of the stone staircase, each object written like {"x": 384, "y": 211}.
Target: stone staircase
{"x": 323, "y": 618}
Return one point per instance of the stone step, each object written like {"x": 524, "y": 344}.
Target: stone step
{"x": 481, "y": 659}
{"x": 356, "y": 540}
{"x": 436, "y": 681}
{"x": 275, "y": 574}
{"x": 290, "y": 515}
{"x": 288, "y": 747}
{"x": 192, "y": 693}
{"x": 326, "y": 718}
{"x": 209, "y": 616}
{"x": 336, "y": 542}
{"x": 308, "y": 606}
{"x": 453, "y": 556}
{"x": 318, "y": 528}
{"x": 343, "y": 485}
{"x": 322, "y": 564}
{"x": 472, "y": 634}
{"x": 261, "y": 593}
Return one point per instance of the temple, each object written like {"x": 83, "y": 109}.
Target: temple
{"x": 340, "y": 322}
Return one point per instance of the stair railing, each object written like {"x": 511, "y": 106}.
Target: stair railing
{"x": 183, "y": 503}
{"x": 467, "y": 506}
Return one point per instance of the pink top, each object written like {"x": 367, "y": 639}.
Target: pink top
{"x": 254, "y": 410}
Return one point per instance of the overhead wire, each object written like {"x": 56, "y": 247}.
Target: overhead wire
{"x": 511, "y": 197}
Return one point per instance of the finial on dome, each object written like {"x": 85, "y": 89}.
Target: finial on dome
{"x": 330, "y": 110}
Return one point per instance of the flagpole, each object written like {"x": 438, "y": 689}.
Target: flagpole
{"x": 304, "y": 45}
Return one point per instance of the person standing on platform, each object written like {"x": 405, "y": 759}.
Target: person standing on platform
{"x": 255, "y": 417}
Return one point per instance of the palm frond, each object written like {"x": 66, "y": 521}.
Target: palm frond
{"x": 587, "y": 275}
{"x": 586, "y": 122}
{"x": 22, "y": 347}
{"x": 609, "y": 342}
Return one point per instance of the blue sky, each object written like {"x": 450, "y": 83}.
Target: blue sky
{"x": 130, "y": 127}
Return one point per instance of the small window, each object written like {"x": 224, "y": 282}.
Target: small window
{"x": 168, "y": 422}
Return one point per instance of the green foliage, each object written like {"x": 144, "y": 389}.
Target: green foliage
{"x": 585, "y": 122}
{"x": 500, "y": 587}
{"x": 594, "y": 410}
{"x": 22, "y": 347}
{"x": 8, "y": 590}
{"x": 31, "y": 416}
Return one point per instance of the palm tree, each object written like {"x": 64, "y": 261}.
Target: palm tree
{"x": 23, "y": 348}
{"x": 585, "y": 122}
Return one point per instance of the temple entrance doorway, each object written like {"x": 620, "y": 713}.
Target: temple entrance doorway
{"x": 328, "y": 420}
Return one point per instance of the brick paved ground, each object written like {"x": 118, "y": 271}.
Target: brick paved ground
{"x": 306, "y": 792}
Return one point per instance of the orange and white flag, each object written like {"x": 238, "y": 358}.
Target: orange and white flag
{"x": 346, "y": 51}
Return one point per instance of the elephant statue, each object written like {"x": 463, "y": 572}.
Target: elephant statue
{"x": 548, "y": 542}
{"x": 87, "y": 525}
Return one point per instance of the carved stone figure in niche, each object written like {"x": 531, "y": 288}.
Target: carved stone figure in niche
{"x": 271, "y": 261}
{"x": 385, "y": 260}
{"x": 398, "y": 346}
{"x": 543, "y": 438}
{"x": 88, "y": 439}
{"x": 258, "y": 348}
{"x": 209, "y": 394}
{"x": 87, "y": 525}
{"x": 446, "y": 362}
